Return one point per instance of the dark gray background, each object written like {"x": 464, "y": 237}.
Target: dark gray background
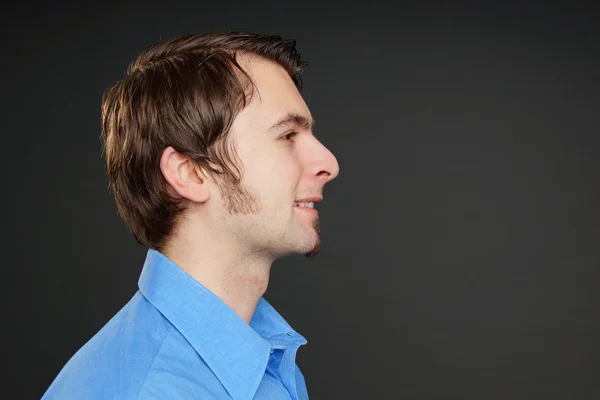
{"x": 461, "y": 252}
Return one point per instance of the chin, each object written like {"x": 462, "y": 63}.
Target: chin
{"x": 316, "y": 245}
{"x": 313, "y": 253}
{"x": 307, "y": 246}
{"x": 308, "y": 243}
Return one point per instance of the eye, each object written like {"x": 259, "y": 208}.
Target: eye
{"x": 289, "y": 136}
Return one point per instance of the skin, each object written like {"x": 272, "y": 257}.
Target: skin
{"x": 230, "y": 236}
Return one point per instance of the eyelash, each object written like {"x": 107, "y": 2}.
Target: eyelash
{"x": 292, "y": 134}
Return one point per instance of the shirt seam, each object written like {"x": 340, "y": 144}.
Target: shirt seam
{"x": 153, "y": 362}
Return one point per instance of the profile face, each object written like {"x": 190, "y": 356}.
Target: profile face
{"x": 284, "y": 168}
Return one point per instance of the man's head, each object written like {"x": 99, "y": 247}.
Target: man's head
{"x": 212, "y": 129}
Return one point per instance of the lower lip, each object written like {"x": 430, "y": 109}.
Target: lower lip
{"x": 312, "y": 211}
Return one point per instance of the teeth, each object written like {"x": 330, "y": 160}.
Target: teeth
{"x": 305, "y": 204}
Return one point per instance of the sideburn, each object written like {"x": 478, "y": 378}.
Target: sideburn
{"x": 238, "y": 200}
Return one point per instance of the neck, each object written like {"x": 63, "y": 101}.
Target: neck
{"x": 238, "y": 279}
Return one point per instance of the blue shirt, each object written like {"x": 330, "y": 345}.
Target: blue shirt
{"x": 175, "y": 339}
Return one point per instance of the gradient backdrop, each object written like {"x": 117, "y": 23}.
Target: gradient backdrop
{"x": 461, "y": 254}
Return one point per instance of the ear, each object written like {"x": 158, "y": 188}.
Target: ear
{"x": 184, "y": 175}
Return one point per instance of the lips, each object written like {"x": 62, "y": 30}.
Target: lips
{"x": 314, "y": 199}
{"x": 307, "y": 205}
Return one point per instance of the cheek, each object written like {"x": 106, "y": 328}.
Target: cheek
{"x": 281, "y": 178}
{"x": 279, "y": 160}
{"x": 271, "y": 169}
{"x": 288, "y": 169}
{"x": 279, "y": 184}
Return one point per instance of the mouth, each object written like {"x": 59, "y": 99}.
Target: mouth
{"x": 308, "y": 204}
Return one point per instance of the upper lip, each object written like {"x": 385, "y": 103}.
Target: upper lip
{"x": 311, "y": 199}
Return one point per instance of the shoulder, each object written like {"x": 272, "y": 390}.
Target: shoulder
{"x": 115, "y": 362}
{"x": 178, "y": 372}
{"x": 139, "y": 355}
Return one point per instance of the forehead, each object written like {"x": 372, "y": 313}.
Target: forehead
{"x": 274, "y": 96}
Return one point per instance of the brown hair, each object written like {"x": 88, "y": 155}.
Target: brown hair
{"x": 185, "y": 93}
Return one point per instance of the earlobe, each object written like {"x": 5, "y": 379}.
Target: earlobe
{"x": 184, "y": 176}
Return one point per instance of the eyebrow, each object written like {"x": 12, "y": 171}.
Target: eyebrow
{"x": 294, "y": 119}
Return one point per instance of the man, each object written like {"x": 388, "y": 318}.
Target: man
{"x": 214, "y": 168}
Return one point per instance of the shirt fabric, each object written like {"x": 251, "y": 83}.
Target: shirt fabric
{"x": 175, "y": 339}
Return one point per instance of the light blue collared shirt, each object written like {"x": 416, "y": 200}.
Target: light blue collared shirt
{"x": 175, "y": 339}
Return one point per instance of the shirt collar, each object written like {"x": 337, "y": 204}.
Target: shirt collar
{"x": 235, "y": 351}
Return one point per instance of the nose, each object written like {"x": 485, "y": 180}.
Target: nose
{"x": 323, "y": 163}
